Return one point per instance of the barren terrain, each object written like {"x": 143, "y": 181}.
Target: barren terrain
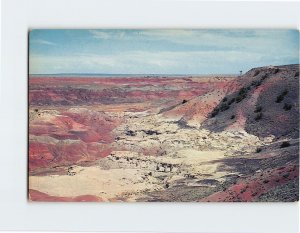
{"x": 165, "y": 138}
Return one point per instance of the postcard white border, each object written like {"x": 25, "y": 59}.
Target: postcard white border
{"x": 18, "y": 16}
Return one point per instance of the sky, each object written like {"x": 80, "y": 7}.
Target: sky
{"x": 115, "y": 51}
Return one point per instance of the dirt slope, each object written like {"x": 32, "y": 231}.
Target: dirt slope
{"x": 266, "y": 104}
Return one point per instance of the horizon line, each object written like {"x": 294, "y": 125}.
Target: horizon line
{"x": 160, "y": 74}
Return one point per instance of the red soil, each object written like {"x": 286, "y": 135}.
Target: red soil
{"x": 49, "y": 155}
{"x": 250, "y": 188}
{"x": 89, "y": 91}
{"x": 199, "y": 108}
{"x": 83, "y": 132}
{"x": 35, "y": 195}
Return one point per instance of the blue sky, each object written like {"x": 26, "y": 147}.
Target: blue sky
{"x": 159, "y": 51}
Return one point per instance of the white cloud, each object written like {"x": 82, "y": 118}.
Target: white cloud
{"x": 230, "y": 39}
{"x": 140, "y": 62}
{"x": 44, "y": 42}
{"x": 104, "y": 34}
{"x": 253, "y": 39}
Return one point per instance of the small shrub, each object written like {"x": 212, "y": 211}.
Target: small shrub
{"x": 224, "y": 107}
{"x": 258, "y": 150}
{"x": 244, "y": 190}
{"x": 239, "y": 98}
{"x": 231, "y": 101}
{"x": 256, "y": 73}
{"x": 215, "y": 112}
{"x": 281, "y": 96}
{"x": 287, "y": 107}
{"x": 242, "y": 91}
{"x": 266, "y": 181}
{"x": 225, "y": 99}
{"x": 264, "y": 77}
{"x": 232, "y": 117}
{"x": 258, "y": 109}
{"x": 256, "y": 83}
{"x": 241, "y": 95}
{"x": 285, "y": 92}
{"x": 258, "y": 116}
{"x": 167, "y": 185}
{"x": 285, "y": 144}
{"x": 184, "y": 101}
{"x": 286, "y": 175}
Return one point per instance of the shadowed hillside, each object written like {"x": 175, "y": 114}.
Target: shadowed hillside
{"x": 266, "y": 104}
